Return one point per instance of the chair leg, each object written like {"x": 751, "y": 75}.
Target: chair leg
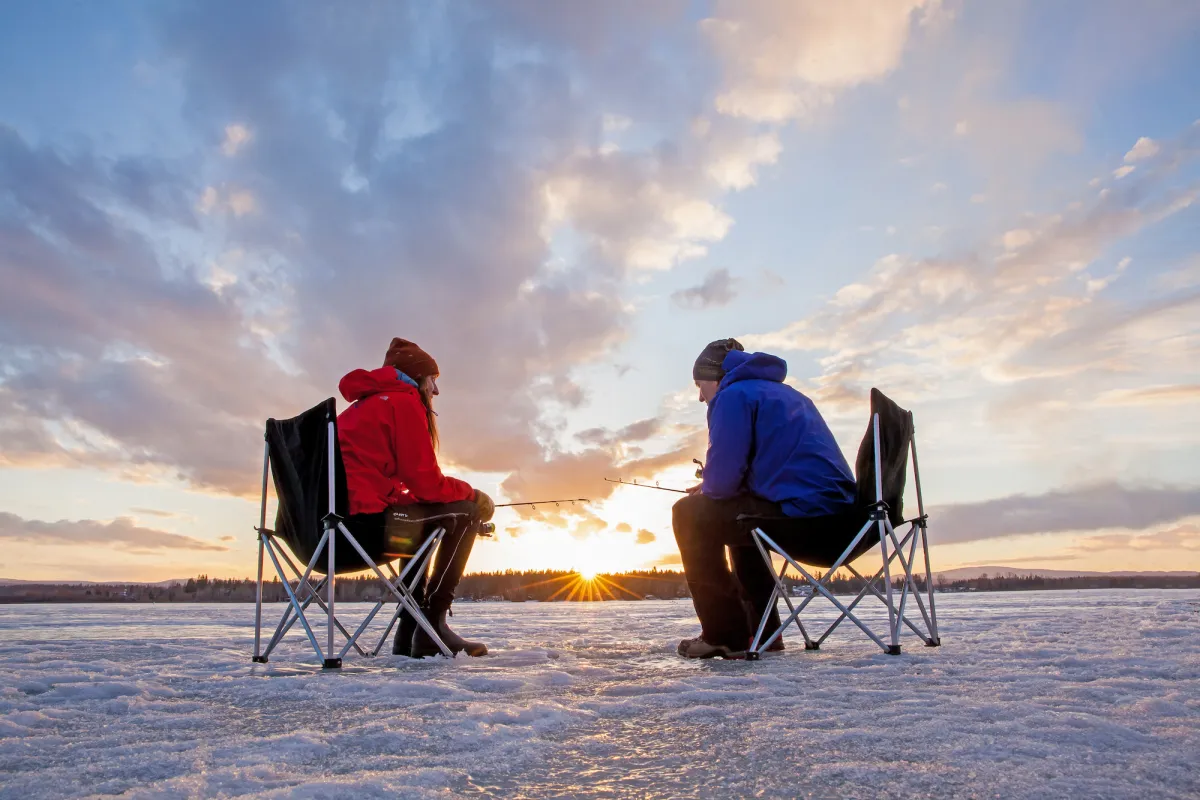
{"x": 316, "y": 598}
{"x": 758, "y": 646}
{"x": 289, "y": 618}
{"x": 820, "y": 586}
{"x": 287, "y": 587}
{"x": 935, "y": 639}
{"x": 403, "y": 596}
{"x": 258, "y": 657}
{"x": 869, "y": 586}
{"x": 909, "y": 587}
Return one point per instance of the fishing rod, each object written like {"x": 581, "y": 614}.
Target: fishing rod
{"x": 699, "y": 474}
{"x": 543, "y": 502}
{"x": 645, "y": 485}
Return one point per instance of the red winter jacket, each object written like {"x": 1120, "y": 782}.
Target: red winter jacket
{"x": 386, "y": 447}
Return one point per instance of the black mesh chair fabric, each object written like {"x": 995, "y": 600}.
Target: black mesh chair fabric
{"x": 895, "y": 437}
{"x": 299, "y": 451}
{"x": 819, "y": 541}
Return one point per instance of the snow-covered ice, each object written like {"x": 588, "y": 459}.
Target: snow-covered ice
{"x": 1055, "y": 694}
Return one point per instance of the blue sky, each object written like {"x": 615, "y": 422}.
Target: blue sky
{"x": 209, "y": 212}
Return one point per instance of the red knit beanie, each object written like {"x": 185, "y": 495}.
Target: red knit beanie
{"x": 410, "y": 359}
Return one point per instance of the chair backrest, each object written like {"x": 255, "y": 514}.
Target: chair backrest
{"x": 895, "y": 437}
{"x": 299, "y": 451}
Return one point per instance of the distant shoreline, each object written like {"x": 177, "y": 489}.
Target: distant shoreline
{"x": 542, "y": 586}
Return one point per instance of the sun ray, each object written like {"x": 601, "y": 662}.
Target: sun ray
{"x": 575, "y": 590}
{"x": 569, "y": 576}
{"x": 565, "y": 587}
{"x": 608, "y": 582}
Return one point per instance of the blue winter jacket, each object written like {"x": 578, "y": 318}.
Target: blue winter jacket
{"x": 768, "y": 439}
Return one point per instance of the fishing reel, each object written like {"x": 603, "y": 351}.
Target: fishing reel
{"x": 699, "y": 468}
{"x": 487, "y": 530}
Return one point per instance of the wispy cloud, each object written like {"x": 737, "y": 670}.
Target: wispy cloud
{"x": 717, "y": 289}
{"x": 1085, "y": 508}
{"x": 121, "y": 532}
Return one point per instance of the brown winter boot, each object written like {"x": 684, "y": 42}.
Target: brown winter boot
{"x": 423, "y": 646}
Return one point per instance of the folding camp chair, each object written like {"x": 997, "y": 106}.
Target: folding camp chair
{"x": 303, "y": 458}
{"x": 833, "y": 543}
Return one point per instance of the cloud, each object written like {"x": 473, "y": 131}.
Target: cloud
{"x": 785, "y": 60}
{"x": 401, "y": 173}
{"x": 1083, "y": 508}
{"x": 717, "y": 289}
{"x": 645, "y": 537}
{"x": 121, "y": 532}
{"x": 238, "y": 202}
{"x": 634, "y": 432}
{"x": 155, "y": 512}
{"x": 1179, "y": 537}
{"x": 236, "y": 137}
{"x": 1142, "y": 149}
{"x": 581, "y": 474}
{"x": 1151, "y": 395}
{"x": 623, "y": 527}
{"x": 1018, "y": 314}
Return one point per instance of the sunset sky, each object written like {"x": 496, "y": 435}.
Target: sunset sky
{"x": 211, "y": 211}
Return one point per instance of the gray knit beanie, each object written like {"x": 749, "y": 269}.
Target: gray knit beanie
{"x": 708, "y": 364}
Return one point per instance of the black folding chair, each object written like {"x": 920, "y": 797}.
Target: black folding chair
{"x": 833, "y": 543}
{"x": 298, "y": 455}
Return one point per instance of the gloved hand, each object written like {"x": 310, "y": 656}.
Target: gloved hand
{"x": 487, "y": 506}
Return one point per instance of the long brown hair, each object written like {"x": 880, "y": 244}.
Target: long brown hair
{"x": 430, "y": 415}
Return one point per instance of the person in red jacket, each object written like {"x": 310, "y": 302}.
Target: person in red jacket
{"x": 389, "y": 439}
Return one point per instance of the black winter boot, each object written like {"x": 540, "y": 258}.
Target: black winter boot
{"x": 423, "y": 646}
{"x": 402, "y": 645}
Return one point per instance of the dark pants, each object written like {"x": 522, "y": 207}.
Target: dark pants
{"x": 436, "y": 593}
{"x": 450, "y": 561}
{"x": 729, "y": 603}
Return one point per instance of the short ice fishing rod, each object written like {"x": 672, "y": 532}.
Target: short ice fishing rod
{"x": 543, "y": 502}
{"x": 699, "y": 474}
{"x": 645, "y": 485}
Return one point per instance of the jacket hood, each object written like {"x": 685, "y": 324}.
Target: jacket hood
{"x": 361, "y": 383}
{"x": 740, "y": 366}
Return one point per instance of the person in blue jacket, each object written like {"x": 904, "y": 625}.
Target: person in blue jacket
{"x": 770, "y": 453}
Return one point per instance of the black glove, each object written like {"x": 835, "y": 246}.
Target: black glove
{"x": 487, "y": 506}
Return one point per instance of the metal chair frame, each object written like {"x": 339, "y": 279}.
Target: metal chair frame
{"x": 305, "y": 593}
{"x": 891, "y": 549}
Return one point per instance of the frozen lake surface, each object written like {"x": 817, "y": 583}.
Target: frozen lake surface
{"x": 1055, "y": 694}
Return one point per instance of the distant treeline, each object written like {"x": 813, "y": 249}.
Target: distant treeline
{"x": 542, "y": 585}
{"x": 509, "y": 585}
{"x": 1032, "y": 583}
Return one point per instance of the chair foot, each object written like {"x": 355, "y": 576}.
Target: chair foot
{"x": 893, "y": 649}
{"x": 812, "y": 645}
{"x": 259, "y": 659}
{"x": 752, "y": 656}
{"x": 933, "y": 642}
{"x": 332, "y": 663}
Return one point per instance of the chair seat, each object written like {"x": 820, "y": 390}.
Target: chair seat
{"x": 817, "y": 541}
{"x": 405, "y": 528}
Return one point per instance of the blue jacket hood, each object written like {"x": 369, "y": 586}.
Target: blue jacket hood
{"x": 768, "y": 440}
{"x": 740, "y": 366}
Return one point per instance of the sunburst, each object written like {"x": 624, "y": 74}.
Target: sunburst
{"x": 580, "y": 587}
